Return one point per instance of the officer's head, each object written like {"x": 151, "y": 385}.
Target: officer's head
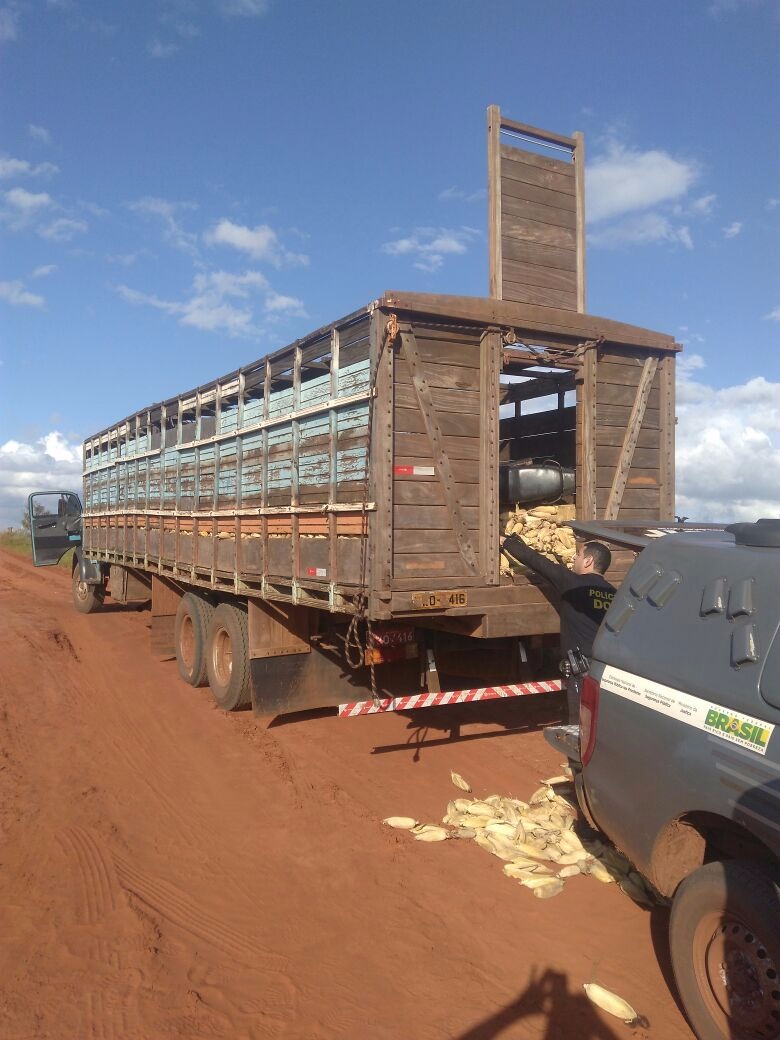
{"x": 592, "y": 558}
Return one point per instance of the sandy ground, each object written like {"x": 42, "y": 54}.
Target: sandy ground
{"x": 167, "y": 870}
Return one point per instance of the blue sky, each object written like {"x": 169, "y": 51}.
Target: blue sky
{"x": 188, "y": 184}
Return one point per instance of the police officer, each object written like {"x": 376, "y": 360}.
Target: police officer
{"x": 585, "y": 597}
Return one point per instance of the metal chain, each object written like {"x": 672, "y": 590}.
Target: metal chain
{"x": 354, "y": 648}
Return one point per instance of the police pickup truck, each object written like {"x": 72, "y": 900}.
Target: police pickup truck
{"x": 679, "y": 757}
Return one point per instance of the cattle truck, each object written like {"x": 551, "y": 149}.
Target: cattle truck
{"x": 321, "y": 527}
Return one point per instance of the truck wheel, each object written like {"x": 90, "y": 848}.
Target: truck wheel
{"x": 86, "y": 598}
{"x": 227, "y": 657}
{"x": 724, "y": 936}
{"x": 190, "y": 634}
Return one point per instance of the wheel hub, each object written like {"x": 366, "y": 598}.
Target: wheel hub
{"x": 743, "y": 979}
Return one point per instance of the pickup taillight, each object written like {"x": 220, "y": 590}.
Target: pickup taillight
{"x": 589, "y": 711}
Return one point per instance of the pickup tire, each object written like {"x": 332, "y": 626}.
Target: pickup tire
{"x": 191, "y": 630}
{"x": 724, "y": 937}
{"x": 227, "y": 657}
{"x": 86, "y": 598}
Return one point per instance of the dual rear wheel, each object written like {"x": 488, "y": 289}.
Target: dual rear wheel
{"x": 212, "y": 645}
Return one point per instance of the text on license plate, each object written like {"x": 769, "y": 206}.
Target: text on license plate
{"x": 439, "y": 600}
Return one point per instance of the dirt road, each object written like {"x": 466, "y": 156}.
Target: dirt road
{"x": 167, "y": 870}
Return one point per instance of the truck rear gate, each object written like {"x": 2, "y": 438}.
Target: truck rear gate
{"x": 358, "y": 470}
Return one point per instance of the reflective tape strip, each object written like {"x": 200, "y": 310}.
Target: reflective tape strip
{"x": 414, "y": 471}
{"x": 317, "y": 572}
{"x": 435, "y": 700}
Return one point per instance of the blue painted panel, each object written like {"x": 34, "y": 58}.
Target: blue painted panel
{"x": 315, "y": 391}
{"x": 279, "y": 436}
{"x": 352, "y": 418}
{"x": 253, "y": 412}
{"x": 354, "y": 378}
{"x": 314, "y": 469}
{"x": 351, "y": 464}
{"x": 279, "y": 475}
{"x": 316, "y": 426}
{"x": 280, "y": 402}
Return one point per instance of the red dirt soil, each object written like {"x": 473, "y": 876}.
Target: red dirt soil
{"x": 167, "y": 870}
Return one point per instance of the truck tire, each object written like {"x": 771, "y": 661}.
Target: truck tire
{"x": 724, "y": 937}
{"x": 227, "y": 657}
{"x": 86, "y": 598}
{"x": 190, "y": 637}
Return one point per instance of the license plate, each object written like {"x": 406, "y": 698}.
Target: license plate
{"x": 439, "y": 600}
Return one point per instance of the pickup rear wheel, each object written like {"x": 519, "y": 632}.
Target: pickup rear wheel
{"x": 190, "y": 637}
{"x": 227, "y": 657}
{"x": 724, "y": 936}
{"x": 86, "y": 598}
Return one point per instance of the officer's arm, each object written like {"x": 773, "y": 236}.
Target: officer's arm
{"x": 558, "y": 575}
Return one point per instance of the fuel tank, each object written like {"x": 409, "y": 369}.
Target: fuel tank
{"x": 529, "y": 483}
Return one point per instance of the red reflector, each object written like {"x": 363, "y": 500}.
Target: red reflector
{"x": 589, "y": 711}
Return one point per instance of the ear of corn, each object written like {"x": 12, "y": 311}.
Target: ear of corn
{"x": 458, "y": 780}
{"x": 610, "y": 1002}
{"x": 401, "y": 823}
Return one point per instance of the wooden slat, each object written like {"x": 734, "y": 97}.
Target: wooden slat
{"x": 635, "y": 498}
{"x": 494, "y": 201}
{"x": 424, "y": 564}
{"x": 525, "y": 230}
{"x": 440, "y": 375}
{"x": 620, "y": 415}
{"x": 521, "y": 192}
{"x": 429, "y": 492}
{"x": 624, "y": 395}
{"x": 431, "y": 518}
{"x": 560, "y": 216}
{"x": 612, "y": 436}
{"x": 491, "y": 348}
{"x": 515, "y": 169}
{"x": 408, "y": 420}
{"x": 417, "y": 445}
{"x": 538, "y": 386}
{"x": 537, "y": 294}
{"x": 419, "y": 540}
{"x": 667, "y": 420}
{"x": 586, "y": 409}
{"x": 644, "y": 459}
{"x": 637, "y": 478}
{"x": 553, "y": 420}
{"x": 579, "y": 181}
{"x": 517, "y": 273}
{"x": 462, "y": 402}
{"x": 562, "y": 259}
{"x": 629, "y": 442}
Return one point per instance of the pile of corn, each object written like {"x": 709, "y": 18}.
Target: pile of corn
{"x": 543, "y": 528}
{"x": 535, "y": 839}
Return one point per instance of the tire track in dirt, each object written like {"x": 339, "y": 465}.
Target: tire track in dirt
{"x": 253, "y": 991}
{"x": 110, "y": 1001}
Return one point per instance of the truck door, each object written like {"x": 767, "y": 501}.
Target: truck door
{"x": 55, "y": 525}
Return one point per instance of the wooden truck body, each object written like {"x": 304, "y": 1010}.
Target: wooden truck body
{"x": 358, "y": 470}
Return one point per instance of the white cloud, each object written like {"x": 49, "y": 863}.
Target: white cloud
{"x": 16, "y": 294}
{"x": 773, "y": 315}
{"x": 209, "y": 306}
{"x": 167, "y": 212}
{"x": 63, "y": 229}
{"x": 27, "y": 202}
{"x": 458, "y": 195}
{"x": 260, "y": 242}
{"x": 703, "y": 204}
{"x": 157, "y": 49}
{"x": 44, "y": 270}
{"x": 723, "y": 7}
{"x": 9, "y": 24}
{"x": 52, "y": 463}
{"x": 642, "y": 230}
{"x": 772, "y": 203}
{"x": 244, "y": 8}
{"x": 21, "y": 167}
{"x": 625, "y": 180}
{"x": 39, "y": 133}
{"x": 733, "y": 229}
{"x": 429, "y": 246}
{"x": 728, "y": 448}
